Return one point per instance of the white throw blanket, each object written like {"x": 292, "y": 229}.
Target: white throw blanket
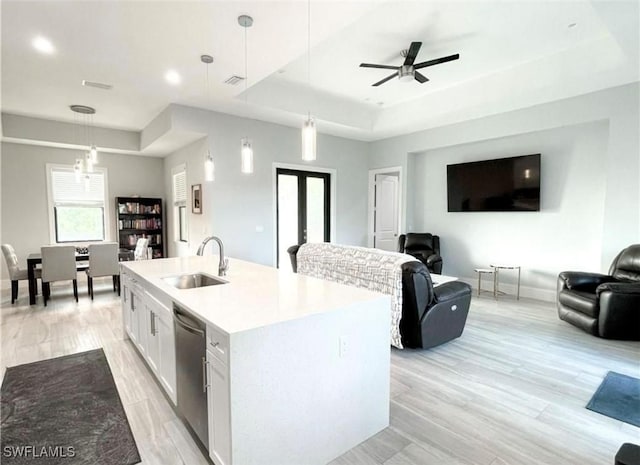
{"x": 373, "y": 269}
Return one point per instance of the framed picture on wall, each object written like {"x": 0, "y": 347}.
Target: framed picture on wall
{"x": 196, "y": 199}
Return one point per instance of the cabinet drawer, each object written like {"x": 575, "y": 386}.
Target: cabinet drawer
{"x": 218, "y": 344}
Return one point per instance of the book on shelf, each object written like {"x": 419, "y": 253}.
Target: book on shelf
{"x": 148, "y": 223}
{"x": 138, "y": 208}
{"x": 132, "y": 239}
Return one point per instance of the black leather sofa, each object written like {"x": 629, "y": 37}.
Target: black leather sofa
{"x": 430, "y": 315}
{"x": 425, "y": 247}
{"x": 607, "y": 306}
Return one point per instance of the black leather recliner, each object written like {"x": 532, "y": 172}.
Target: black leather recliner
{"x": 430, "y": 315}
{"x": 425, "y": 247}
{"x": 607, "y": 306}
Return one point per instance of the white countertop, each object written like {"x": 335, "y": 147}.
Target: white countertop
{"x": 255, "y": 296}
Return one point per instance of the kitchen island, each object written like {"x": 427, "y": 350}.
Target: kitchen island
{"x": 297, "y": 368}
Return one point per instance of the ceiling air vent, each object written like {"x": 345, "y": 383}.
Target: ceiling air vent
{"x": 234, "y": 80}
{"x": 97, "y": 85}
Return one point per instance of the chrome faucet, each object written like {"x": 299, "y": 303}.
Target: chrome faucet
{"x": 223, "y": 265}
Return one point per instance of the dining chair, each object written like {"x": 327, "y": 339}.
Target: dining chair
{"x": 140, "y": 253}
{"x": 58, "y": 264}
{"x": 15, "y": 272}
{"x": 103, "y": 261}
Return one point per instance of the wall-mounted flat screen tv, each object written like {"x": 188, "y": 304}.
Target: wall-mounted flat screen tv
{"x": 500, "y": 185}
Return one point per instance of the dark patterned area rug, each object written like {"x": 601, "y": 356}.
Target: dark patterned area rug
{"x": 618, "y": 397}
{"x": 65, "y": 410}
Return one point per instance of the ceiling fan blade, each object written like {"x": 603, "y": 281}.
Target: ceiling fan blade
{"x": 371, "y": 65}
{"x": 412, "y": 53}
{"x": 384, "y": 80}
{"x": 421, "y": 78}
{"x": 437, "y": 61}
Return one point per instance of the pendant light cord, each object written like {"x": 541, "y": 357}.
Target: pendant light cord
{"x": 246, "y": 76}
{"x": 246, "y": 73}
{"x": 309, "y": 43}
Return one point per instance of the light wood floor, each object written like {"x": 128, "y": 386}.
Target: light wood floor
{"x": 511, "y": 390}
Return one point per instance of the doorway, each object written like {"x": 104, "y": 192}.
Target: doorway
{"x": 303, "y": 209}
{"x": 385, "y": 208}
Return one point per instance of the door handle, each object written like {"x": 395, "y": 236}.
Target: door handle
{"x": 180, "y": 321}
{"x": 205, "y": 385}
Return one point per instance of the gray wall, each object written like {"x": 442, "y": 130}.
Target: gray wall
{"x": 25, "y": 219}
{"x": 565, "y": 234}
{"x": 617, "y": 159}
{"x": 235, "y": 205}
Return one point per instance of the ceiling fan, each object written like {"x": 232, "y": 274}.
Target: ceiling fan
{"x": 407, "y": 71}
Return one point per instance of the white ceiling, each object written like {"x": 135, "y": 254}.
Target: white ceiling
{"x": 512, "y": 54}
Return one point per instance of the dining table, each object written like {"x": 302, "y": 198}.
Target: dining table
{"x": 82, "y": 260}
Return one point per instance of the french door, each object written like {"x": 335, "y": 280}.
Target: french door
{"x": 303, "y": 209}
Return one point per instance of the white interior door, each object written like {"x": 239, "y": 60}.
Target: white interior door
{"x": 385, "y": 224}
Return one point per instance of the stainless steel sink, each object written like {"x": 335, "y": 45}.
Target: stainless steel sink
{"x": 190, "y": 281}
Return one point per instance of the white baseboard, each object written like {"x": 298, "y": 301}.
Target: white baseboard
{"x": 545, "y": 295}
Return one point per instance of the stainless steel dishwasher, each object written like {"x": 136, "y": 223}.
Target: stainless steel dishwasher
{"x": 191, "y": 353}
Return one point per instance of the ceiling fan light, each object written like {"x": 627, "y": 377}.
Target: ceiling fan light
{"x": 406, "y": 73}
{"x": 309, "y": 140}
{"x": 246, "y": 156}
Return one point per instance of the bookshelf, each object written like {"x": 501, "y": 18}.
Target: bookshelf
{"x": 140, "y": 217}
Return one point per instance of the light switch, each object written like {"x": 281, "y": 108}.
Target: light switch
{"x": 259, "y": 228}
{"x": 343, "y": 346}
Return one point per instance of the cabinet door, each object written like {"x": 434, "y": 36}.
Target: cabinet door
{"x": 138, "y": 321}
{"x": 218, "y": 404}
{"x": 161, "y": 355}
{"x": 167, "y": 351}
{"x": 153, "y": 341}
{"x": 125, "y": 299}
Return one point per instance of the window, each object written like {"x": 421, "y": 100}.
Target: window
{"x": 77, "y": 206}
{"x": 180, "y": 202}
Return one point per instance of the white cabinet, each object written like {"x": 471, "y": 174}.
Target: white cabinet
{"x": 153, "y": 341}
{"x": 161, "y": 350}
{"x": 219, "y": 409}
{"x": 137, "y": 318}
{"x": 149, "y": 324}
{"x": 125, "y": 298}
{"x": 131, "y": 296}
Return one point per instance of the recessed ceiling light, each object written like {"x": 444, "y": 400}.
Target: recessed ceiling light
{"x": 43, "y": 45}
{"x": 173, "y": 77}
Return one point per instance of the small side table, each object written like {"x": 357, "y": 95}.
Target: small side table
{"x": 496, "y": 278}
{"x": 482, "y": 271}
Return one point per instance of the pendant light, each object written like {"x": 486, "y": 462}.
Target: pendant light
{"x": 309, "y": 126}
{"x": 246, "y": 150}
{"x": 84, "y": 166}
{"x": 209, "y": 166}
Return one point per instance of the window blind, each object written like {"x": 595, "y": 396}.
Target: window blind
{"x": 67, "y": 191}
{"x": 180, "y": 188}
